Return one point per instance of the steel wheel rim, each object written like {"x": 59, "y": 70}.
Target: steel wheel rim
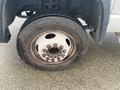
{"x": 62, "y": 50}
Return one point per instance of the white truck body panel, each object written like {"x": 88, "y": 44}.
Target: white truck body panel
{"x": 114, "y": 24}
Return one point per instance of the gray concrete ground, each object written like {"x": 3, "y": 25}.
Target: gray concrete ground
{"x": 98, "y": 70}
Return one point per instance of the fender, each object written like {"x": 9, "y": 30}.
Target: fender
{"x": 9, "y": 8}
{"x": 106, "y": 5}
{"x": 7, "y": 16}
{"x": 103, "y": 20}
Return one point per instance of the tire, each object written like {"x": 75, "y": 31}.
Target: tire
{"x": 32, "y": 32}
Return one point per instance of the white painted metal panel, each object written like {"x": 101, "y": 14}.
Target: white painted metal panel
{"x": 112, "y": 4}
{"x": 116, "y": 9}
{"x": 114, "y": 24}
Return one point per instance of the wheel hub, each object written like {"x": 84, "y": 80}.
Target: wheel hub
{"x": 53, "y": 47}
{"x": 54, "y": 53}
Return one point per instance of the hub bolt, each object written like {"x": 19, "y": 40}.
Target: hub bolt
{"x": 61, "y": 47}
{"x": 62, "y": 55}
{"x": 55, "y": 45}
{"x": 44, "y": 50}
{"x": 44, "y": 55}
{"x": 49, "y": 46}
{"x": 47, "y": 59}
{"x": 58, "y": 58}
{"x": 64, "y": 51}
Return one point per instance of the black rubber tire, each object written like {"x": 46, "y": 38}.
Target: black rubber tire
{"x": 33, "y": 27}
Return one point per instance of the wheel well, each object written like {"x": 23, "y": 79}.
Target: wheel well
{"x": 85, "y": 9}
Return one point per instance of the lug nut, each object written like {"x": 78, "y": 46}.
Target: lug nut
{"x": 47, "y": 59}
{"x": 59, "y": 55}
{"x": 58, "y": 58}
{"x": 53, "y": 60}
{"x": 49, "y": 46}
{"x": 62, "y": 55}
{"x": 44, "y": 55}
{"x": 44, "y": 50}
{"x": 61, "y": 52}
{"x": 61, "y": 47}
{"x": 55, "y": 57}
{"x": 64, "y": 51}
{"x": 55, "y": 45}
{"x": 50, "y": 56}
